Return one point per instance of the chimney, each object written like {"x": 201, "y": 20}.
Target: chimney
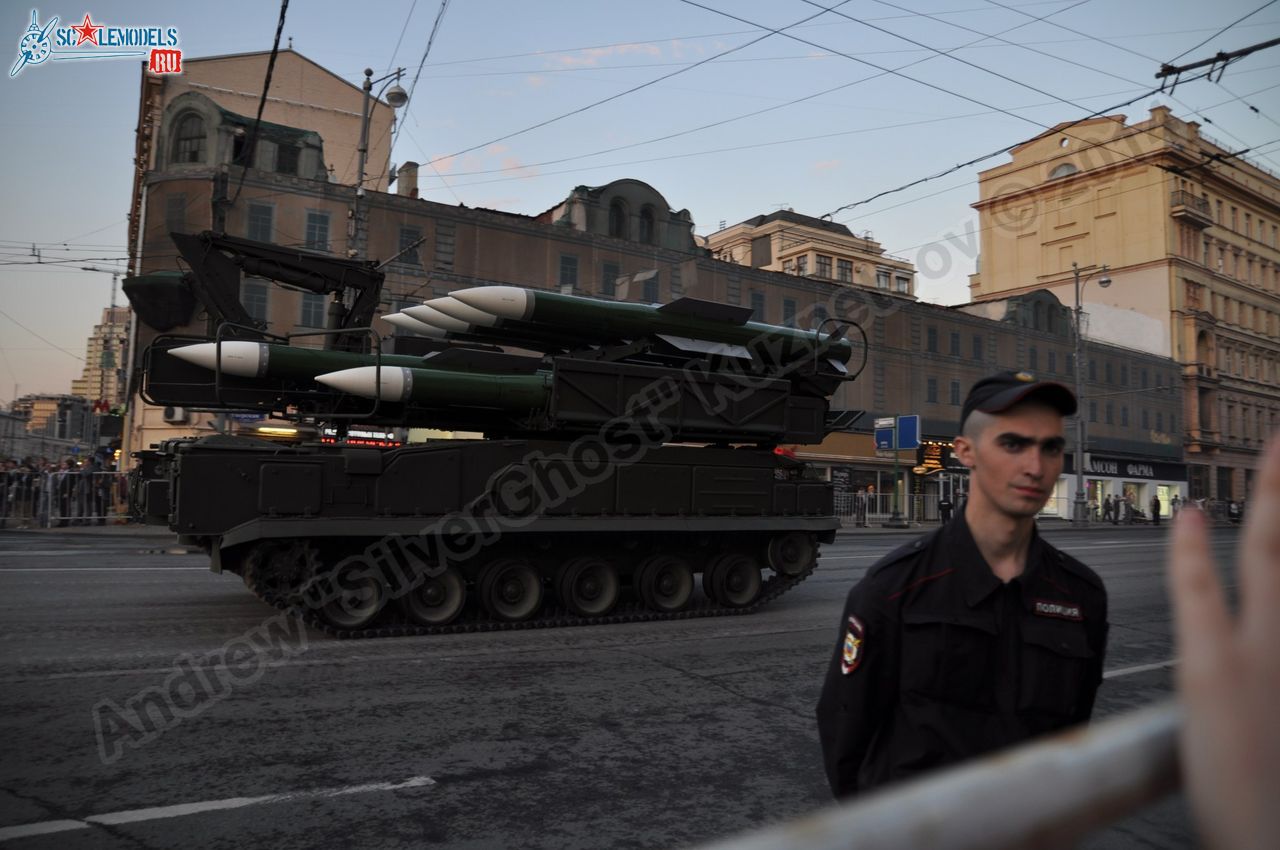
{"x": 407, "y": 178}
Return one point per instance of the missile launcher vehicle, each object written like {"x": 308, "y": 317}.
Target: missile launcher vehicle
{"x": 629, "y": 467}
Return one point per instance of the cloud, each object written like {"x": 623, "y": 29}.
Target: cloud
{"x": 591, "y": 56}
{"x": 826, "y": 165}
{"x": 535, "y": 81}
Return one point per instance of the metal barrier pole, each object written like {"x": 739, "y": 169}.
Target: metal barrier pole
{"x": 1048, "y": 794}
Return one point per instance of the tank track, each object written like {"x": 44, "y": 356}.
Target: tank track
{"x": 552, "y": 617}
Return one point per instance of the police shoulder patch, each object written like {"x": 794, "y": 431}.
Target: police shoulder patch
{"x": 854, "y": 639}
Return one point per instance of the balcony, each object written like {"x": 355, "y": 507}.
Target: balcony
{"x": 1185, "y": 206}
{"x": 1203, "y": 371}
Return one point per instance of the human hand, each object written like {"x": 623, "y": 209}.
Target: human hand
{"x": 1229, "y": 673}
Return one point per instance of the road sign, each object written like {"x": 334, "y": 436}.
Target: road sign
{"x": 884, "y": 422}
{"x": 884, "y": 438}
{"x": 908, "y": 432}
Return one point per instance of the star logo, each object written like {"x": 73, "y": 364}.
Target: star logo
{"x": 87, "y": 31}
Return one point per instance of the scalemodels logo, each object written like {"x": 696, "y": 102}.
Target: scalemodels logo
{"x": 89, "y": 40}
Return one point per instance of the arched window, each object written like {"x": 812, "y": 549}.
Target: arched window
{"x": 618, "y": 219}
{"x": 646, "y": 225}
{"x": 188, "y": 139}
{"x": 1063, "y": 170}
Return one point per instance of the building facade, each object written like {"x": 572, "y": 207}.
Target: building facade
{"x": 1189, "y": 233}
{"x": 103, "y": 379}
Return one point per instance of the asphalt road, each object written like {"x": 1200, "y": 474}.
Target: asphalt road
{"x": 647, "y": 735}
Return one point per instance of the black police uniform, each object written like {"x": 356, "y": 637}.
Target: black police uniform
{"x": 939, "y": 661}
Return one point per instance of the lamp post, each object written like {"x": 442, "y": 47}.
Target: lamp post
{"x": 1079, "y": 514}
{"x": 396, "y": 97}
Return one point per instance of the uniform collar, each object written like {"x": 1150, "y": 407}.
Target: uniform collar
{"x": 976, "y": 577}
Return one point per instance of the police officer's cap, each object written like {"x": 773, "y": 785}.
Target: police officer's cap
{"x": 1001, "y": 391}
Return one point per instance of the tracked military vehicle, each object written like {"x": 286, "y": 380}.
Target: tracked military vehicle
{"x": 628, "y": 468}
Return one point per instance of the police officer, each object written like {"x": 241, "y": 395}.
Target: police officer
{"x": 980, "y": 634}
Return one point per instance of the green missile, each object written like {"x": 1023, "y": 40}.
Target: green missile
{"x": 685, "y": 322}
{"x": 246, "y": 359}
{"x": 439, "y": 387}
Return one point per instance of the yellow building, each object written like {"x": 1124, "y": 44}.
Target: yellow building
{"x": 1188, "y": 232}
{"x": 105, "y": 360}
{"x": 786, "y": 241}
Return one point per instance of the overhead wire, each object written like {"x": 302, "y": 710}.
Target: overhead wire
{"x": 252, "y": 141}
{"x": 1221, "y": 31}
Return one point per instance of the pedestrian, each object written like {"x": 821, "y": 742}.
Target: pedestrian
{"x": 860, "y": 508}
{"x": 1129, "y": 508}
{"x": 1107, "y": 511}
{"x": 944, "y": 509}
{"x": 980, "y": 634}
{"x": 1174, "y": 504}
{"x": 1155, "y": 509}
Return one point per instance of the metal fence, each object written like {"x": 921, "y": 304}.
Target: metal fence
{"x": 873, "y": 509}
{"x": 62, "y": 498}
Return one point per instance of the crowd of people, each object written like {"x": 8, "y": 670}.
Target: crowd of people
{"x": 38, "y": 492}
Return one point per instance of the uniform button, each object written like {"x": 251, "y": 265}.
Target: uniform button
{"x": 916, "y": 544}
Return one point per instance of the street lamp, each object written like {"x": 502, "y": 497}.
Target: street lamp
{"x": 1079, "y": 516}
{"x": 396, "y": 97}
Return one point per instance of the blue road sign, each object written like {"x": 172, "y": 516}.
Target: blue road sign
{"x": 909, "y": 432}
{"x": 884, "y": 439}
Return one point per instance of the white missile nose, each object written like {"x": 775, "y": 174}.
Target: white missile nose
{"x": 363, "y": 381}
{"x": 451, "y": 306}
{"x": 436, "y": 319}
{"x": 505, "y": 302}
{"x": 239, "y": 357}
{"x": 408, "y": 323}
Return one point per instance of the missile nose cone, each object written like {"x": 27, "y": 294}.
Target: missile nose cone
{"x": 363, "y": 381}
{"x": 505, "y": 302}
{"x": 451, "y": 306}
{"x": 435, "y": 318}
{"x": 408, "y": 323}
{"x": 239, "y": 357}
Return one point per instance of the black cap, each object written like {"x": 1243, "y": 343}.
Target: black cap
{"x": 1001, "y": 391}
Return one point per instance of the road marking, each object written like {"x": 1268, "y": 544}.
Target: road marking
{"x": 1140, "y": 668}
{"x": 185, "y": 809}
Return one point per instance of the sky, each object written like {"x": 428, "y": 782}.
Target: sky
{"x": 729, "y": 109}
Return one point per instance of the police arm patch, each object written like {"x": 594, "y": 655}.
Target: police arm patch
{"x": 854, "y": 638}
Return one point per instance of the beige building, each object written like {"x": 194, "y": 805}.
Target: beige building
{"x": 1188, "y": 232}
{"x": 104, "y": 360}
{"x": 788, "y": 242}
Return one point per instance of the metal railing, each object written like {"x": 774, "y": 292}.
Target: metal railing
{"x": 63, "y": 498}
{"x": 1047, "y": 794}
{"x": 1183, "y": 198}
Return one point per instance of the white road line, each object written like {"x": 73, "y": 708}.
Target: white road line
{"x": 183, "y": 809}
{"x": 1140, "y": 668}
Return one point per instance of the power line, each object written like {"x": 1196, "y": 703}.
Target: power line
{"x": 1220, "y": 32}
{"x": 435, "y": 27}
{"x": 262, "y": 102}
{"x": 42, "y": 339}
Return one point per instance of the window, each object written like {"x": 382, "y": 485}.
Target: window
{"x": 904, "y": 285}
{"x": 253, "y": 294}
{"x": 1064, "y": 170}
{"x": 977, "y": 346}
{"x": 1159, "y": 420}
{"x": 1033, "y": 359}
{"x": 1146, "y": 419}
{"x": 1053, "y": 362}
{"x": 788, "y": 266}
{"x": 757, "y": 307}
{"x": 844, "y": 271}
{"x": 651, "y": 294}
{"x": 618, "y": 220}
{"x": 1111, "y": 413}
{"x": 1124, "y": 374}
{"x": 287, "y": 159}
{"x": 818, "y": 316}
{"x": 789, "y": 312}
{"x": 955, "y": 344}
{"x": 824, "y": 266}
{"x": 931, "y": 340}
{"x": 931, "y": 391}
{"x": 407, "y": 252}
{"x": 317, "y": 230}
{"x": 188, "y": 139}
{"x": 802, "y": 265}
{"x": 1124, "y": 416}
{"x": 1093, "y": 411}
{"x": 175, "y": 213}
{"x": 568, "y": 274}
{"x": 882, "y": 279}
{"x": 261, "y": 222}
{"x": 1144, "y": 381}
{"x": 1093, "y": 369}
{"x": 955, "y": 393}
{"x": 313, "y": 309}
{"x": 646, "y": 225}
{"x": 1109, "y": 372}
{"x": 609, "y": 273}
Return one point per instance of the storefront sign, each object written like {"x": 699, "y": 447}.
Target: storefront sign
{"x": 1133, "y": 469}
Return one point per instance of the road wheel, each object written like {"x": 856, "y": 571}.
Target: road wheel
{"x": 356, "y": 595}
{"x": 438, "y": 600}
{"x": 510, "y": 589}
{"x": 733, "y": 580}
{"x": 588, "y": 586}
{"x": 793, "y": 553}
{"x": 665, "y": 583}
